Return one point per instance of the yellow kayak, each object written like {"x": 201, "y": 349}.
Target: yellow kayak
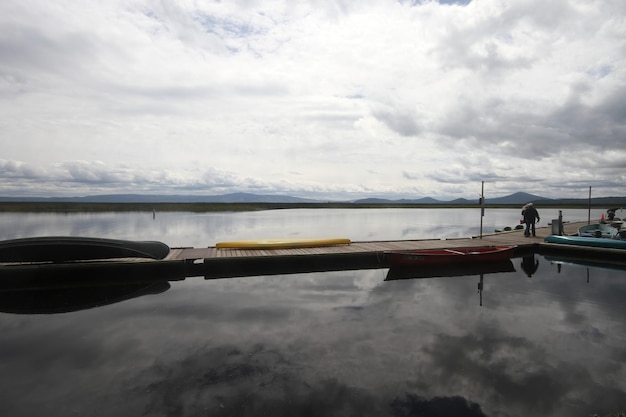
{"x": 281, "y": 243}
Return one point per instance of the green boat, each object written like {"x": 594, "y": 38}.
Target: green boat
{"x": 597, "y": 242}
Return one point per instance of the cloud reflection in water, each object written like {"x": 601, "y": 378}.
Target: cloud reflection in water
{"x": 344, "y": 343}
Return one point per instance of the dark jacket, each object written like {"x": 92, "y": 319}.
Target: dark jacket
{"x": 530, "y": 214}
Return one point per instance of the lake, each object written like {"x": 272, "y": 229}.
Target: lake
{"x": 547, "y": 339}
{"x": 205, "y": 229}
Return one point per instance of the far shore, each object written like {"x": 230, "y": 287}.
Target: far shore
{"x": 59, "y": 207}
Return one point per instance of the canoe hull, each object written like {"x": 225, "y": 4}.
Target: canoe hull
{"x": 282, "y": 243}
{"x": 450, "y": 256}
{"x": 74, "y": 248}
{"x": 597, "y": 242}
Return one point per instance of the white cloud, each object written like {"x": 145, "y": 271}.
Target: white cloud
{"x": 333, "y": 98}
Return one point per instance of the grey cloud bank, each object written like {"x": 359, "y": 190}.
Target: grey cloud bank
{"x": 325, "y": 100}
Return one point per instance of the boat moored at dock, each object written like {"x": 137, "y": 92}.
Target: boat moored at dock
{"x": 600, "y": 230}
{"x": 459, "y": 255}
{"x": 597, "y": 242}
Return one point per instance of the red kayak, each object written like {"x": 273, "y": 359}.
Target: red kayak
{"x": 450, "y": 255}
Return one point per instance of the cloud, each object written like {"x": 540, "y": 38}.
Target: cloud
{"x": 18, "y": 170}
{"x": 84, "y": 176}
{"x": 228, "y": 381}
{"x": 402, "y": 122}
{"x": 327, "y": 90}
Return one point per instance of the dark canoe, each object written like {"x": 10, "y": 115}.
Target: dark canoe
{"x": 71, "y": 248}
{"x": 450, "y": 255}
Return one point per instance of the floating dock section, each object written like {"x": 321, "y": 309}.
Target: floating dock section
{"x": 213, "y": 263}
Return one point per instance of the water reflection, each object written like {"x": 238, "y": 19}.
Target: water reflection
{"x": 205, "y": 229}
{"x": 453, "y": 270}
{"x": 326, "y": 343}
{"x": 449, "y": 270}
{"x": 584, "y": 263}
{"x": 529, "y": 265}
{"x": 53, "y": 300}
{"x": 342, "y": 343}
{"x": 66, "y": 288}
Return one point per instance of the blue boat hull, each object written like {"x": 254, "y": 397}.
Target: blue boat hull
{"x": 587, "y": 241}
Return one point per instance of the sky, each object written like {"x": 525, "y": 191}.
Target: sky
{"x": 313, "y": 98}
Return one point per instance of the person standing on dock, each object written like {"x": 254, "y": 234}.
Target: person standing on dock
{"x": 530, "y": 214}
{"x": 610, "y": 214}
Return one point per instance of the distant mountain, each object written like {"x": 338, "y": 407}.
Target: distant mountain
{"x": 372, "y": 201}
{"x": 462, "y": 201}
{"x": 519, "y": 198}
{"x": 617, "y": 202}
{"x": 425, "y": 200}
{"x": 255, "y": 198}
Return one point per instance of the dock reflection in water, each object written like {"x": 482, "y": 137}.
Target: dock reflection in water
{"x": 60, "y": 299}
{"x": 333, "y": 343}
{"x": 452, "y": 270}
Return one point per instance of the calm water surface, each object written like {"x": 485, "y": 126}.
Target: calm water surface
{"x": 346, "y": 343}
{"x": 205, "y": 229}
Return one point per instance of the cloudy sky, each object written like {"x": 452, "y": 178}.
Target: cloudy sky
{"x": 313, "y": 98}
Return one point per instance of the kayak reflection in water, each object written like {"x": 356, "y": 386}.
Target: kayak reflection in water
{"x": 530, "y": 264}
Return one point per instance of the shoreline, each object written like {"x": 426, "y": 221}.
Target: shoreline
{"x": 67, "y": 207}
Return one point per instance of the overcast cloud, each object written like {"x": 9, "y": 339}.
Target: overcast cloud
{"x": 326, "y": 99}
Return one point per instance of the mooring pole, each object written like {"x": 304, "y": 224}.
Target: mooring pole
{"x": 480, "y": 289}
{"x": 589, "y": 208}
{"x": 482, "y": 207}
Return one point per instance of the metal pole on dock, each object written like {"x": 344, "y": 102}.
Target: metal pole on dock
{"x": 480, "y": 289}
{"x": 589, "y": 208}
{"x": 482, "y": 207}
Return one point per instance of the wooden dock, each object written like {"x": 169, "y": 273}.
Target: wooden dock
{"x": 212, "y": 263}
{"x": 509, "y": 238}
{"x": 222, "y": 263}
